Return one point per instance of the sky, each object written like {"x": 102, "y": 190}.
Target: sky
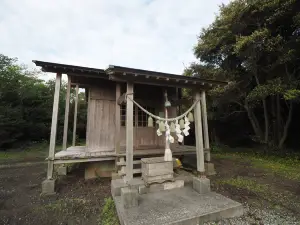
{"x": 146, "y": 34}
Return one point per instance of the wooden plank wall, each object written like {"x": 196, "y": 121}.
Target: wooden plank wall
{"x": 101, "y": 117}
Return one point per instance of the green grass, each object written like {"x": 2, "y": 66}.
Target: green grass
{"x": 109, "y": 215}
{"x": 286, "y": 166}
{"x": 250, "y": 185}
{"x": 34, "y": 152}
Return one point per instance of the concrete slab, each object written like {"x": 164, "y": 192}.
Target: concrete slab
{"x": 179, "y": 206}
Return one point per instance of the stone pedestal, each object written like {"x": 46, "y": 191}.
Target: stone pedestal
{"x": 209, "y": 169}
{"x": 129, "y": 197}
{"x": 48, "y": 187}
{"x": 156, "y": 170}
{"x": 201, "y": 185}
{"x": 99, "y": 169}
{"x": 62, "y": 170}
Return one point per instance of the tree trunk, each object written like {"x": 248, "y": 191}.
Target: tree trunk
{"x": 253, "y": 121}
{"x": 274, "y": 124}
{"x": 266, "y": 138}
{"x": 266, "y": 121}
{"x": 278, "y": 118}
{"x": 286, "y": 127}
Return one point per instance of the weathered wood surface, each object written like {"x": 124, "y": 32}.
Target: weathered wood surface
{"x": 199, "y": 135}
{"x": 118, "y": 119}
{"x": 205, "y": 124}
{"x": 101, "y": 121}
{"x": 66, "y": 121}
{"x": 53, "y": 127}
{"x": 75, "y": 115}
{"x": 129, "y": 134}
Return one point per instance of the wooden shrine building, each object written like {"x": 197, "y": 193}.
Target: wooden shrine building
{"x": 118, "y": 133}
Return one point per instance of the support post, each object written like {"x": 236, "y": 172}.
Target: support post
{"x": 129, "y": 134}
{"x": 75, "y": 115}
{"x": 118, "y": 118}
{"x": 205, "y": 125}
{"x": 53, "y": 127}
{"x": 66, "y": 121}
{"x": 199, "y": 136}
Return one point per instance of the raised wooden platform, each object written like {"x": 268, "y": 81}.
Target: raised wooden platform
{"x": 76, "y": 154}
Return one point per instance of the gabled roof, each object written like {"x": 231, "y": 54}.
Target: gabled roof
{"x": 67, "y": 69}
{"x": 124, "y": 74}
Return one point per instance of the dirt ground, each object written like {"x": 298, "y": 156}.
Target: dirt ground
{"x": 77, "y": 201}
{"x": 256, "y": 186}
{"x": 80, "y": 202}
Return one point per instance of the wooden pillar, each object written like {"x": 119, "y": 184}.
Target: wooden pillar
{"x": 75, "y": 115}
{"x": 53, "y": 127}
{"x": 129, "y": 134}
{"x": 205, "y": 125}
{"x": 118, "y": 118}
{"x": 66, "y": 121}
{"x": 199, "y": 135}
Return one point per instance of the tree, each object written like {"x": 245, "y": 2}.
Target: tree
{"x": 251, "y": 44}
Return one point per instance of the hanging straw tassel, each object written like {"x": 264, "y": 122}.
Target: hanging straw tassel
{"x": 150, "y": 121}
{"x": 191, "y": 117}
{"x": 162, "y": 126}
{"x": 181, "y": 123}
{"x": 172, "y": 127}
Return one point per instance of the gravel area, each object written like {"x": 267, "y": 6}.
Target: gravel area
{"x": 258, "y": 216}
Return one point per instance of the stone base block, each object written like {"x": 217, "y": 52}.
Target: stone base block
{"x": 210, "y": 169}
{"x": 117, "y": 184}
{"x": 48, "y": 187}
{"x": 99, "y": 169}
{"x": 161, "y": 187}
{"x": 129, "y": 197}
{"x": 62, "y": 170}
{"x": 201, "y": 185}
{"x": 115, "y": 176}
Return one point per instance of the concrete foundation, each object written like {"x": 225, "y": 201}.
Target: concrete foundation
{"x": 182, "y": 206}
{"x": 210, "y": 169}
{"x": 48, "y": 187}
{"x": 201, "y": 185}
{"x": 117, "y": 184}
{"x": 62, "y": 170}
{"x": 99, "y": 169}
{"x": 129, "y": 197}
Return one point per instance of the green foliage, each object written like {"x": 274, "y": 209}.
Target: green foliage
{"x": 251, "y": 44}
{"x": 26, "y": 105}
{"x": 109, "y": 215}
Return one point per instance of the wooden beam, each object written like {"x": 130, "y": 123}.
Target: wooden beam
{"x": 199, "y": 135}
{"x": 118, "y": 118}
{"x": 129, "y": 134}
{"x": 53, "y": 127}
{"x": 75, "y": 116}
{"x": 157, "y": 82}
{"x": 66, "y": 121}
{"x": 205, "y": 124}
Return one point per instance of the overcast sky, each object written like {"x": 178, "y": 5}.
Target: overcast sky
{"x": 146, "y": 34}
